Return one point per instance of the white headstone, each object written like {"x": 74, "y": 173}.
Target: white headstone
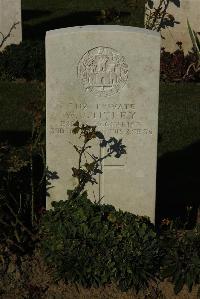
{"x": 10, "y": 23}
{"x": 106, "y": 76}
{"x": 189, "y": 9}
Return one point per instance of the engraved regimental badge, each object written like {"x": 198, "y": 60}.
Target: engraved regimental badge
{"x": 103, "y": 71}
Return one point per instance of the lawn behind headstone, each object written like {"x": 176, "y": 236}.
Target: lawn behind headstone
{"x": 14, "y": 99}
{"x": 179, "y": 120}
{"x": 41, "y": 16}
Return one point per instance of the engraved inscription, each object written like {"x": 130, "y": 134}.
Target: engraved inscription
{"x": 103, "y": 71}
{"x": 111, "y": 119}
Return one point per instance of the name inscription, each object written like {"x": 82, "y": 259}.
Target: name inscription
{"x": 111, "y": 119}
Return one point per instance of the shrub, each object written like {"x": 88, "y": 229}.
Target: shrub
{"x": 23, "y": 61}
{"x": 93, "y": 244}
{"x": 181, "y": 261}
{"x": 22, "y": 185}
{"x": 174, "y": 66}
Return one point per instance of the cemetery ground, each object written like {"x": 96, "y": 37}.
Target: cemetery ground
{"x": 177, "y": 183}
{"x": 22, "y": 102}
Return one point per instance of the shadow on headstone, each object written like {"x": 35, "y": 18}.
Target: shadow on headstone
{"x": 178, "y": 184}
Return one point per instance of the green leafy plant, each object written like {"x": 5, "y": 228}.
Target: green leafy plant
{"x": 181, "y": 261}
{"x": 93, "y": 244}
{"x": 195, "y": 41}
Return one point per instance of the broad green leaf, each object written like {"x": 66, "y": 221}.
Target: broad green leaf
{"x": 198, "y": 44}
{"x": 194, "y": 39}
{"x": 112, "y": 218}
{"x": 179, "y": 285}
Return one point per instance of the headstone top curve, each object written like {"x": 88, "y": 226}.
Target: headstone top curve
{"x": 106, "y": 28}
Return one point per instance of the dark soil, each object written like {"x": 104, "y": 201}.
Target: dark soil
{"x": 31, "y": 278}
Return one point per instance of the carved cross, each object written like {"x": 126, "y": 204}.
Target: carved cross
{"x": 107, "y": 163}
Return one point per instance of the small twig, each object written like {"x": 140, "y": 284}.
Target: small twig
{"x": 20, "y": 203}
{"x": 4, "y": 223}
{"x": 86, "y": 172}
{"x": 44, "y": 171}
{"x": 91, "y": 156}
{"x": 12, "y": 196}
{"x": 13, "y": 243}
{"x": 163, "y": 15}
{"x": 192, "y": 65}
{"x": 155, "y": 19}
{"x": 157, "y": 11}
{"x": 5, "y": 37}
{"x": 19, "y": 221}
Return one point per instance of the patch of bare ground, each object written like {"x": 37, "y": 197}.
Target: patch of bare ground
{"x": 32, "y": 279}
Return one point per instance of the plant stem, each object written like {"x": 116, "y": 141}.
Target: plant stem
{"x": 19, "y": 221}
{"x": 157, "y": 11}
{"x": 163, "y": 15}
{"x": 5, "y": 37}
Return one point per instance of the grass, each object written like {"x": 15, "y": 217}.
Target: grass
{"x": 72, "y": 5}
{"x": 14, "y": 98}
{"x": 179, "y": 122}
{"x": 40, "y": 16}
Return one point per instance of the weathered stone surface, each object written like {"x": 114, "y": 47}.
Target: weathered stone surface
{"x": 189, "y": 9}
{"x": 10, "y": 22}
{"x": 106, "y": 76}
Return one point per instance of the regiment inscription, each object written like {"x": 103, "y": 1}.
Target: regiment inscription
{"x": 103, "y": 71}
